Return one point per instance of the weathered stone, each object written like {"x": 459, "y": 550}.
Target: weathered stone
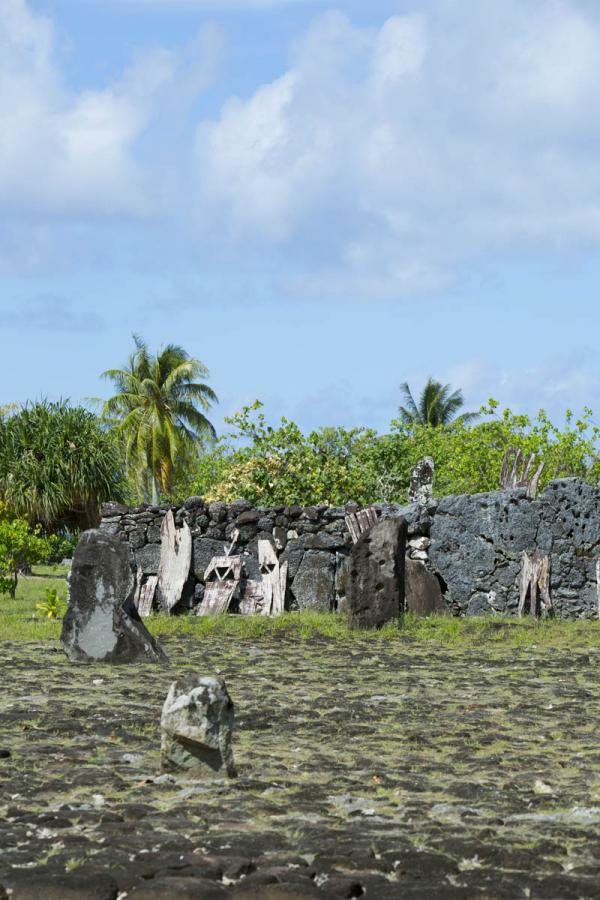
{"x": 293, "y": 555}
{"x": 313, "y": 586}
{"x": 137, "y": 538}
{"x": 217, "y": 511}
{"x": 197, "y": 726}
{"x": 420, "y": 490}
{"x": 280, "y": 537}
{"x": 249, "y": 517}
{"x": 376, "y": 580}
{"x": 203, "y": 550}
{"x": 153, "y": 534}
{"x": 101, "y": 622}
{"x": 423, "y": 592}
{"x": 148, "y": 558}
{"x": 342, "y": 569}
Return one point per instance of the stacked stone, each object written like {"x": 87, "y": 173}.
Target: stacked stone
{"x": 313, "y": 540}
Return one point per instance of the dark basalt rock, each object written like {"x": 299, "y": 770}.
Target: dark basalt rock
{"x": 102, "y": 623}
{"x": 423, "y": 590}
{"x": 375, "y": 587}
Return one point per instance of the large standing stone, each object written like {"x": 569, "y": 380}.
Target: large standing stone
{"x": 420, "y": 490}
{"x": 197, "y": 726}
{"x": 102, "y": 623}
{"x": 314, "y": 584}
{"x": 376, "y": 580}
{"x": 423, "y": 590}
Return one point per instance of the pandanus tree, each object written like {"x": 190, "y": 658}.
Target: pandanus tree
{"x": 57, "y": 465}
{"x": 438, "y": 405}
{"x": 158, "y": 409}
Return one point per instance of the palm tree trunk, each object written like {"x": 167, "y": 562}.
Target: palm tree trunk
{"x": 154, "y": 491}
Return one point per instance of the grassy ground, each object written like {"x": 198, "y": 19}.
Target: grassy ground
{"x": 21, "y": 620}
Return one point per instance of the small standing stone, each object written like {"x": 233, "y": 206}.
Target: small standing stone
{"x": 197, "y": 726}
{"x": 102, "y": 623}
{"x": 375, "y": 587}
{"x": 420, "y": 490}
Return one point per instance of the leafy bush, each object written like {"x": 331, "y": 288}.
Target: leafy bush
{"x": 270, "y": 466}
{"x": 20, "y": 547}
{"x": 62, "y": 546}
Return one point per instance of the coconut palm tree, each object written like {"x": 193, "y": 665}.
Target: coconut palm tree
{"x": 158, "y": 409}
{"x": 437, "y": 406}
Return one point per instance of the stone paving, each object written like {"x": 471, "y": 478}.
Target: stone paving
{"x": 384, "y": 768}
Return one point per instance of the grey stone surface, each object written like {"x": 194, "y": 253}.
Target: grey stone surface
{"x": 101, "y": 623}
{"x": 423, "y": 592}
{"x": 313, "y": 584}
{"x": 197, "y": 727}
{"x": 375, "y": 588}
{"x": 203, "y": 550}
{"x": 148, "y": 558}
{"x": 477, "y": 542}
{"x": 420, "y": 490}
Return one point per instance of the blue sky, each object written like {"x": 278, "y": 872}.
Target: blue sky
{"x": 318, "y": 200}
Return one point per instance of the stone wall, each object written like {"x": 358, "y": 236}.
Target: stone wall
{"x": 464, "y": 552}
{"x": 314, "y": 540}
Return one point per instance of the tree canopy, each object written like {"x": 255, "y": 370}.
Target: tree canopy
{"x": 57, "y": 465}
{"x": 438, "y": 405}
{"x": 159, "y": 410}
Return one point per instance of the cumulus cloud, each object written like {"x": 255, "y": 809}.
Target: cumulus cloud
{"x": 73, "y": 153}
{"x": 396, "y": 153}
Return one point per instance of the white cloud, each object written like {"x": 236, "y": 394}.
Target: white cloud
{"x": 398, "y": 152}
{"x": 73, "y": 153}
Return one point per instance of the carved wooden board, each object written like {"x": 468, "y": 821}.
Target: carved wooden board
{"x": 274, "y": 579}
{"x": 175, "y": 561}
{"x": 358, "y": 523}
{"x": 144, "y": 593}
{"x": 221, "y": 581}
{"x": 252, "y": 600}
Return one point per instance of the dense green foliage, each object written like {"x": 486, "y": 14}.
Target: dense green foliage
{"x": 20, "y": 548}
{"x": 437, "y": 406}
{"x": 57, "y": 465}
{"x": 158, "y": 411}
{"x": 267, "y": 465}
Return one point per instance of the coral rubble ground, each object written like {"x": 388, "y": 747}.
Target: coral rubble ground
{"x": 386, "y": 768}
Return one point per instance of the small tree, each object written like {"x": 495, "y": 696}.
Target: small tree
{"x": 20, "y": 547}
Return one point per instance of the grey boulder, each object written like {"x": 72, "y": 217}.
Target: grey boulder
{"x": 197, "y": 726}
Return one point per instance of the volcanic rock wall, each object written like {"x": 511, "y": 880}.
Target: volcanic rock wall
{"x": 464, "y": 552}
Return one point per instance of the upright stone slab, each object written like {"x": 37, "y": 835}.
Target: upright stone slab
{"x": 423, "y": 590}
{"x": 102, "y": 623}
{"x": 420, "y": 490}
{"x": 375, "y": 587}
{"x": 197, "y": 727}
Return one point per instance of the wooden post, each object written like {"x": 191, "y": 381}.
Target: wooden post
{"x": 535, "y": 575}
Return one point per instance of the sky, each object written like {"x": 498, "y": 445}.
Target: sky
{"x": 318, "y": 200}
